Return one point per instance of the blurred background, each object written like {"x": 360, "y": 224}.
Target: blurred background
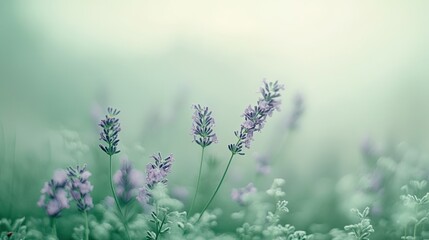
{"x": 360, "y": 69}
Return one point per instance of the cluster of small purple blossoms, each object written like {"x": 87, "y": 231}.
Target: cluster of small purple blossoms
{"x": 239, "y": 195}
{"x": 109, "y": 135}
{"x": 54, "y": 196}
{"x": 202, "y": 126}
{"x": 155, "y": 173}
{"x": 127, "y": 181}
{"x": 80, "y": 187}
{"x": 255, "y": 117}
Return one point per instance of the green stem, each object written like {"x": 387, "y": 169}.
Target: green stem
{"x": 415, "y": 231}
{"x": 86, "y": 226}
{"x": 54, "y": 227}
{"x": 159, "y": 230}
{"x": 116, "y": 199}
{"x": 198, "y": 181}
{"x": 218, "y": 186}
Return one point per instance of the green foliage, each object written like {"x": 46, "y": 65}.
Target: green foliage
{"x": 399, "y": 208}
{"x": 262, "y": 218}
{"x": 415, "y": 210}
{"x": 13, "y": 230}
{"x": 359, "y": 231}
{"x": 362, "y": 230}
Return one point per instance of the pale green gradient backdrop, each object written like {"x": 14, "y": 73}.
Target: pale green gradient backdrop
{"x": 362, "y": 67}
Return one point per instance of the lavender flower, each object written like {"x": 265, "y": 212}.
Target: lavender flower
{"x": 109, "y": 135}
{"x": 255, "y": 117}
{"x": 80, "y": 187}
{"x": 239, "y": 195}
{"x": 202, "y": 127}
{"x": 127, "y": 181}
{"x": 155, "y": 173}
{"x": 54, "y": 196}
{"x": 254, "y": 120}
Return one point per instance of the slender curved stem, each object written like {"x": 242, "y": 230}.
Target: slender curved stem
{"x": 116, "y": 199}
{"x": 218, "y": 186}
{"x": 86, "y": 226}
{"x": 198, "y": 182}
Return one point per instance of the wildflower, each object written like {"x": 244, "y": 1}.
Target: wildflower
{"x": 80, "y": 187}
{"x": 202, "y": 130}
{"x": 254, "y": 120}
{"x": 109, "y": 135}
{"x": 54, "y": 196}
{"x": 240, "y": 195}
{"x": 157, "y": 172}
{"x": 127, "y": 181}
{"x": 202, "y": 127}
{"x": 255, "y": 117}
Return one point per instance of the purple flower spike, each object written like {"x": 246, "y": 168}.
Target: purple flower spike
{"x": 127, "y": 181}
{"x": 80, "y": 187}
{"x": 109, "y": 134}
{"x": 255, "y": 117}
{"x": 155, "y": 173}
{"x": 239, "y": 195}
{"x": 54, "y": 196}
{"x": 202, "y": 127}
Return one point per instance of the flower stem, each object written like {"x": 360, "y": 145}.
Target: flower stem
{"x": 116, "y": 199}
{"x": 159, "y": 230}
{"x": 198, "y": 182}
{"x": 218, "y": 186}
{"x": 86, "y": 226}
{"x": 54, "y": 227}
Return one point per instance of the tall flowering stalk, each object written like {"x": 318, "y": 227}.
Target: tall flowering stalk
{"x": 109, "y": 135}
{"x": 80, "y": 188}
{"x": 156, "y": 173}
{"x": 54, "y": 198}
{"x": 254, "y": 120}
{"x": 202, "y": 131}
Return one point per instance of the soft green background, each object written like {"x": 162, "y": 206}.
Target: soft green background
{"x": 362, "y": 67}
